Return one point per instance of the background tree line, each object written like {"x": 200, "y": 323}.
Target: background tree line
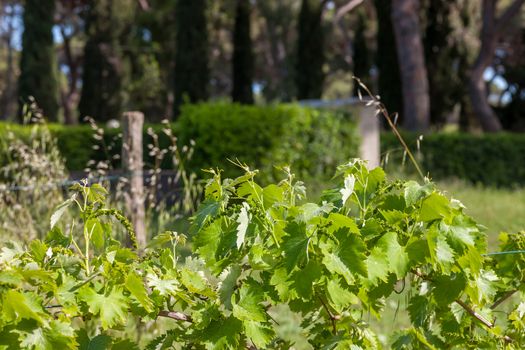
{"x": 433, "y": 61}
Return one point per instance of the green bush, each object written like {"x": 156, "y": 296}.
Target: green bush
{"x": 313, "y": 142}
{"x": 490, "y": 159}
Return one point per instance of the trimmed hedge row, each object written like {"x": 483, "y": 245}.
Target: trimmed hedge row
{"x": 488, "y": 159}
{"x": 313, "y": 142}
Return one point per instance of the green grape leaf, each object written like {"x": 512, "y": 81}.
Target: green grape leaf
{"x": 207, "y": 241}
{"x": 398, "y": 259}
{"x": 38, "y": 250}
{"x": 280, "y": 280}
{"x": 165, "y": 286}
{"x": 59, "y": 211}
{"x": 248, "y": 307}
{"x": 348, "y": 188}
{"x": 258, "y": 333}
{"x": 112, "y": 308}
{"x": 55, "y": 237}
{"x": 222, "y": 334}
{"x": 228, "y": 285}
{"x": 194, "y": 282}
{"x": 393, "y": 217}
{"x": 415, "y": 192}
{"x": 18, "y": 305}
{"x": 444, "y": 254}
{"x": 435, "y": 206}
{"x": 419, "y": 310}
{"x": 339, "y": 221}
{"x": 352, "y": 250}
{"x": 96, "y": 232}
{"x": 206, "y": 212}
{"x": 272, "y": 194}
{"x": 418, "y": 252}
{"x": 124, "y": 344}
{"x": 57, "y": 335}
{"x": 340, "y": 298}
{"x": 484, "y": 287}
{"x": 100, "y": 342}
{"x": 303, "y": 279}
{"x": 377, "y": 264}
{"x": 446, "y": 289}
{"x": 135, "y": 286}
{"x": 243, "y": 220}
{"x": 295, "y": 245}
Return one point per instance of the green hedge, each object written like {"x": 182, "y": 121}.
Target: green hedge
{"x": 489, "y": 159}
{"x": 313, "y": 142}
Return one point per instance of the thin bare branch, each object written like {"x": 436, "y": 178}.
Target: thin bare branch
{"x": 503, "y": 298}
{"x": 343, "y": 10}
{"x": 175, "y": 315}
{"x": 511, "y": 11}
{"x": 480, "y": 318}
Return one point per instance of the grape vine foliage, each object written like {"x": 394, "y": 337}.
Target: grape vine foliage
{"x": 256, "y": 249}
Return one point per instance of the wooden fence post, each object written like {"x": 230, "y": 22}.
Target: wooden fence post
{"x": 132, "y": 166}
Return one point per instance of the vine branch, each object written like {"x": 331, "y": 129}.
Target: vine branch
{"x": 333, "y": 318}
{"x": 175, "y": 315}
{"x": 480, "y": 318}
{"x": 503, "y": 298}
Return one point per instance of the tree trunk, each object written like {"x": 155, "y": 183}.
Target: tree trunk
{"x": 242, "y": 55}
{"x": 491, "y": 31}
{"x": 192, "y": 72}
{"x": 38, "y": 71}
{"x": 309, "y": 76}
{"x": 416, "y": 101}
{"x": 7, "y": 109}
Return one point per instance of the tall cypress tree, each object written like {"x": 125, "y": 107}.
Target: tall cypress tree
{"x": 38, "y": 72}
{"x": 361, "y": 57}
{"x": 441, "y": 54}
{"x": 242, "y": 54}
{"x": 389, "y": 80}
{"x": 191, "y": 53}
{"x": 309, "y": 75}
{"x": 104, "y": 70}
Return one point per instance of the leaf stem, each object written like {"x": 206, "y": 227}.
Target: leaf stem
{"x": 333, "y": 318}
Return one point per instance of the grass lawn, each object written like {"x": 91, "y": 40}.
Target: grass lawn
{"x": 497, "y": 209}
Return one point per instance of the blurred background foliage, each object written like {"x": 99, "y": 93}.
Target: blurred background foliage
{"x": 98, "y": 58}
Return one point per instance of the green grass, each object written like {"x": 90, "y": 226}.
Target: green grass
{"x": 497, "y": 209}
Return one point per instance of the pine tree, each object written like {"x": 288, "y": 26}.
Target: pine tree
{"x": 389, "y": 80}
{"x": 191, "y": 53}
{"x": 441, "y": 54}
{"x": 38, "y": 72}
{"x": 309, "y": 74}
{"x": 104, "y": 73}
{"x": 361, "y": 57}
{"x": 242, "y": 54}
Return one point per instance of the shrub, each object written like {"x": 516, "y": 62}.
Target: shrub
{"x": 311, "y": 141}
{"x": 259, "y": 136}
{"x": 490, "y": 159}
